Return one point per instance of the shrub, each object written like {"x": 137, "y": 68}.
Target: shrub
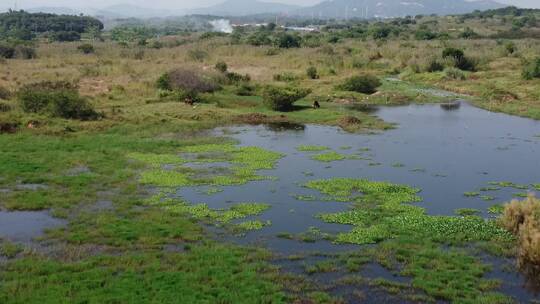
{"x": 282, "y": 98}
{"x": 366, "y": 84}
{"x": 312, "y": 73}
{"x": 186, "y": 80}
{"x": 532, "y": 70}
{"x": 7, "y": 51}
{"x": 522, "y": 218}
{"x": 86, "y": 48}
{"x": 58, "y": 99}
{"x": 434, "y": 65}
{"x": 459, "y": 60}
{"x": 286, "y": 41}
{"x": 221, "y": 66}
{"x": 236, "y": 78}
{"x": 453, "y": 73}
{"x": 65, "y": 36}
{"x": 285, "y": 76}
{"x": 453, "y": 53}
{"x": 510, "y": 48}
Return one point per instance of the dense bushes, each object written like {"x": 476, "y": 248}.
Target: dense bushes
{"x": 366, "y": 84}
{"x": 65, "y": 36}
{"x": 184, "y": 84}
{"x": 19, "y": 51}
{"x": 4, "y": 93}
{"x": 532, "y": 69}
{"x": 459, "y": 59}
{"x": 86, "y": 48}
{"x": 187, "y": 80}
{"x": 522, "y": 218}
{"x": 312, "y": 73}
{"x": 58, "y": 99}
{"x": 282, "y": 98}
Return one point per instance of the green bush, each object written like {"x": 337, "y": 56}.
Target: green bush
{"x": 366, "y": 84}
{"x": 286, "y": 41}
{"x": 65, "y": 36}
{"x": 233, "y": 78}
{"x": 510, "y": 48}
{"x": 86, "y": 48}
{"x": 312, "y": 73}
{"x": 58, "y": 99}
{"x": 532, "y": 69}
{"x": 7, "y": 51}
{"x": 434, "y": 65}
{"x": 285, "y": 76}
{"x": 187, "y": 80}
{"x": 453, "y": 73}
{"x": 221, "y": 66}
{"x": 459, "y": 60}
{"x": 282, "y": 98}
{"x": 245, "y": 89}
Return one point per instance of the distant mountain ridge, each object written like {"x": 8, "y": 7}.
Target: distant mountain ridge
{"x": 326, "y": 9}
{"x": 394, "y": 8}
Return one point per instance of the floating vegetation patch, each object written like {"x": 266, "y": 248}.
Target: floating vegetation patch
{"x": 301, "y": 197}
{"x": 310, "y": 148}
{"x": 421, "y": 170}
{"x": 471, "y": 194}
{"x": 509, "y": 185}
{"x": 413, "y": 242}
{"x": 496, "y": 209}
{"x": 251, "y": 225}
{"x": 467, "y": 211}
{"x": 374, "y": 164}
{"x": 202, "y": 211}
{"x": 398, "y": 165}
{"x": 329, "y": 157}
{"x": 487, "y": 198}
{"x": 520, "y": 194}
{"x": 244, "y": 161}
{"x": 491, "y": 188}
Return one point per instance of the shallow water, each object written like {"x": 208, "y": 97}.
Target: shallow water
{"x": 23, "y": 226}
{"x": 445, "y": 151}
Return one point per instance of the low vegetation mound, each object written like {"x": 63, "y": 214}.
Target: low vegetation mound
{"x": 86, "y": 48}
{"x": 366, "y": 84}
{"x": 58, "y": 99}
{"x": 522, "y": 218}
{"x": 282, "y": 98}
{"x": 532, "y": 70}
{"x": 188, "y": 81}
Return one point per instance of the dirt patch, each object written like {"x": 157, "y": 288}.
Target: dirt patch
{"x": 258, "y": 118}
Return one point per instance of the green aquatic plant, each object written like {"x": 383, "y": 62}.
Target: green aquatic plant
{"x": 301, "y": 197}
{"x": 496, "y": 209}
{"x": 505, "y": 184}
{"x": 536, "y": 187}
{"x": 398, "y": 165}
{"x": 329, "y": 157}
{"x": 520, "y": 194}
{"x": 487, "y": 197}
{"x": 251, "y": 225}
{"x": 467, "y": 211}
{"x": 471, "y": 194}
{"x": 311, "y": 148}
{"x": 491, "y": 188}
{"x": 245, "y": 161}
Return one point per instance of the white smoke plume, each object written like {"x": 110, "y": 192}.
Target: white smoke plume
{"x": 222, "y": 25}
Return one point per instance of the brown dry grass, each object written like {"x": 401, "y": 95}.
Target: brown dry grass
{"x": 522, "y": 218}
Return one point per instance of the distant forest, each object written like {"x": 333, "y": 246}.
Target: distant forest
{"x": 22, "y": 25}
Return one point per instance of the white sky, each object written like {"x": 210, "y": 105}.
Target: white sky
{"x": 178, "y": 4}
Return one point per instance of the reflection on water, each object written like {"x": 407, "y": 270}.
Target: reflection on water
{"x": 451, "y": 106}
{"x": 444, "y": 153}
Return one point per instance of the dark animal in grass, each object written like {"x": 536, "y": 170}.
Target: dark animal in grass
{"x": 316, "y": 105}
{"x": 189, "y": 101}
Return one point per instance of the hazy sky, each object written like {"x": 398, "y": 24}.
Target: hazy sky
{"x": 180, "y": 4}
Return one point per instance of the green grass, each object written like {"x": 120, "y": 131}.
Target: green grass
{"x": 204, "y": 274}
{"x": 311, "y": 148}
